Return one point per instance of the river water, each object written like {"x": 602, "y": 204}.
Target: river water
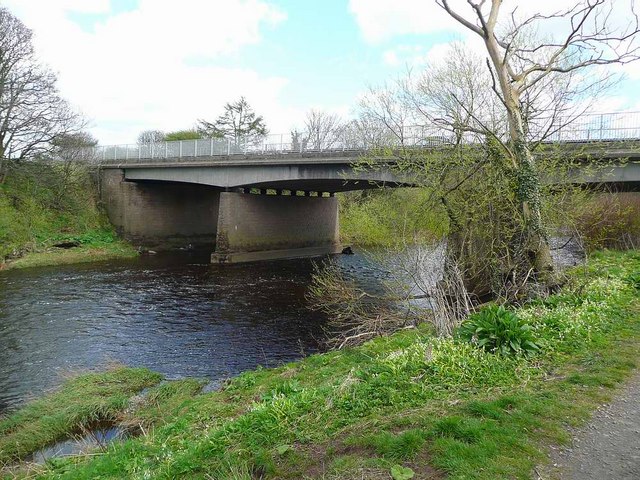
{"x": 175, "y": 314}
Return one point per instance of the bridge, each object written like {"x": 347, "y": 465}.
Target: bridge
{"x": 275, "y": 197}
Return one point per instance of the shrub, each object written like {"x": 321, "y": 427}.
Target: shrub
{"x": 610, "y": 220}
{"x": 496, "y": 329}
{"x": 634, "y": 280}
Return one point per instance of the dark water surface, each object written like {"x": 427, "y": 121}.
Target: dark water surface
{"x": 175, "y": 314}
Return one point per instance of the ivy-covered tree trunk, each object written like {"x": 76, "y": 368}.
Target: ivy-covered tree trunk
{"x": 534, "y": 244}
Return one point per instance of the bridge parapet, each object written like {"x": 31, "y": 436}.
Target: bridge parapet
{"x": 604, "y": 127}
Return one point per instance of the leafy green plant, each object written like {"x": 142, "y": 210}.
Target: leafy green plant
{"x": 399, "y": 472}
{"x": 499, "y": 330}
{"x": 634, "y": 280}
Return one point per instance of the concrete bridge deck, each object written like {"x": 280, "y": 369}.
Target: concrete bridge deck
{"x": 222, "y": 199}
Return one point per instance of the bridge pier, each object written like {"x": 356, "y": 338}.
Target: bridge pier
{"x": 160, "y": 215}
{"x": 263, "y": 227}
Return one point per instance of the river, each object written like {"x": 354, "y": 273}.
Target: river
{"x": 173, "y": 313}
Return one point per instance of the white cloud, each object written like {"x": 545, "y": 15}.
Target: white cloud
{"x": 419, "y": 56}
{"x": 380, "y": 20}
{"x": 156, "y": 66}
{"x": 390, "y": 57}
{"x": 383, "y": 21}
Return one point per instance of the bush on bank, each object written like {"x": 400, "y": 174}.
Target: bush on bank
{"x": 610, "y": 220}
{"x": 408, "y": 403}
{"x": 389, "y": 217}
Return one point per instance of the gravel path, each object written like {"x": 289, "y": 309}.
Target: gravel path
{"x": 609, "y": 446}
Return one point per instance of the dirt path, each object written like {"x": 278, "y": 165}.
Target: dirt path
{"x": 608, "y": 447}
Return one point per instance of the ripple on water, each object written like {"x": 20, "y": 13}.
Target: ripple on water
{"x": 179, "y": 316}
{"x": 174, "y": 314}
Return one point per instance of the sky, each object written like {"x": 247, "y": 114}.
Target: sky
{"x": 133, "y": 65}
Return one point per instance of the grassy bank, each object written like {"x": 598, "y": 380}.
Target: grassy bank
{"x": 93, "y": 246}
{"x": 43, "y": 204}
{"x": 389, "y": 217}
{"x": 409, "y": 404}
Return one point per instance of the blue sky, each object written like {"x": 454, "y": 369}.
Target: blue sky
{"x": 131, "y": 65}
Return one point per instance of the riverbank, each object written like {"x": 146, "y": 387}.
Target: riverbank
{"x": 106, "y": 248}
{"x": 402, "y": 405}
{"x": 389, "y": 217}
{"x": 44, "y": 204}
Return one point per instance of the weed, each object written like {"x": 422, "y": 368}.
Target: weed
{"x": 498, "y": 330}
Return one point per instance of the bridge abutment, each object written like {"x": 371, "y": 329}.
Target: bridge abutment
{"x": 160, "y": 214}
{"x": 262, "y": 227}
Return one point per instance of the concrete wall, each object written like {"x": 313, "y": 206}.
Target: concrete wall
{"x": 258, "y": 227}
{"x": 160, "y": 215}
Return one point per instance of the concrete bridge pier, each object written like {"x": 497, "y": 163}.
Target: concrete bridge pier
{"x": 262, "y": 227}
{"x": 160, "y": 215}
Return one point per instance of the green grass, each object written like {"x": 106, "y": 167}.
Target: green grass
{"x": 432, "y": 406}
{"x": 84, "y": 400}
{"x": 93, "y": 252}
{"x": 46, "y": 203}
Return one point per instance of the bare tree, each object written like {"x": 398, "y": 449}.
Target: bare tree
{"x": 322, "y": 129}
{"x": 470, "y": 179}
{"x": 148, "y": 137}
{"x": 32, "y": 112}
{"x": 298, "y": 141}
{"x": 239, "y": 123}
{"x": 518, "y": 66}
{"x": 72, "y": 156}
{"x": 367, "y": 133}
{"x": 355, "y": 315}
{"x": 384, "y": 111}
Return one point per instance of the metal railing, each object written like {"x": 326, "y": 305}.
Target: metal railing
{"x": 587, "y": 128}
{"x": 599, "y": 127}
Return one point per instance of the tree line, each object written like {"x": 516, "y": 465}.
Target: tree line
{"x": 240, "y": 124}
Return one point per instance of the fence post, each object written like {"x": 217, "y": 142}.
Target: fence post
{"x": 180, "y": 150}
{"x": 211, "y": 148}
{"x": 601, "y": 125}
{"x": 166, "y": 150}
{"x": 228, "y": 146}
{"x": 195, "y": 147}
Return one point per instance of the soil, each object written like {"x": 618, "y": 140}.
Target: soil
{"x": 608, "y": 447}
